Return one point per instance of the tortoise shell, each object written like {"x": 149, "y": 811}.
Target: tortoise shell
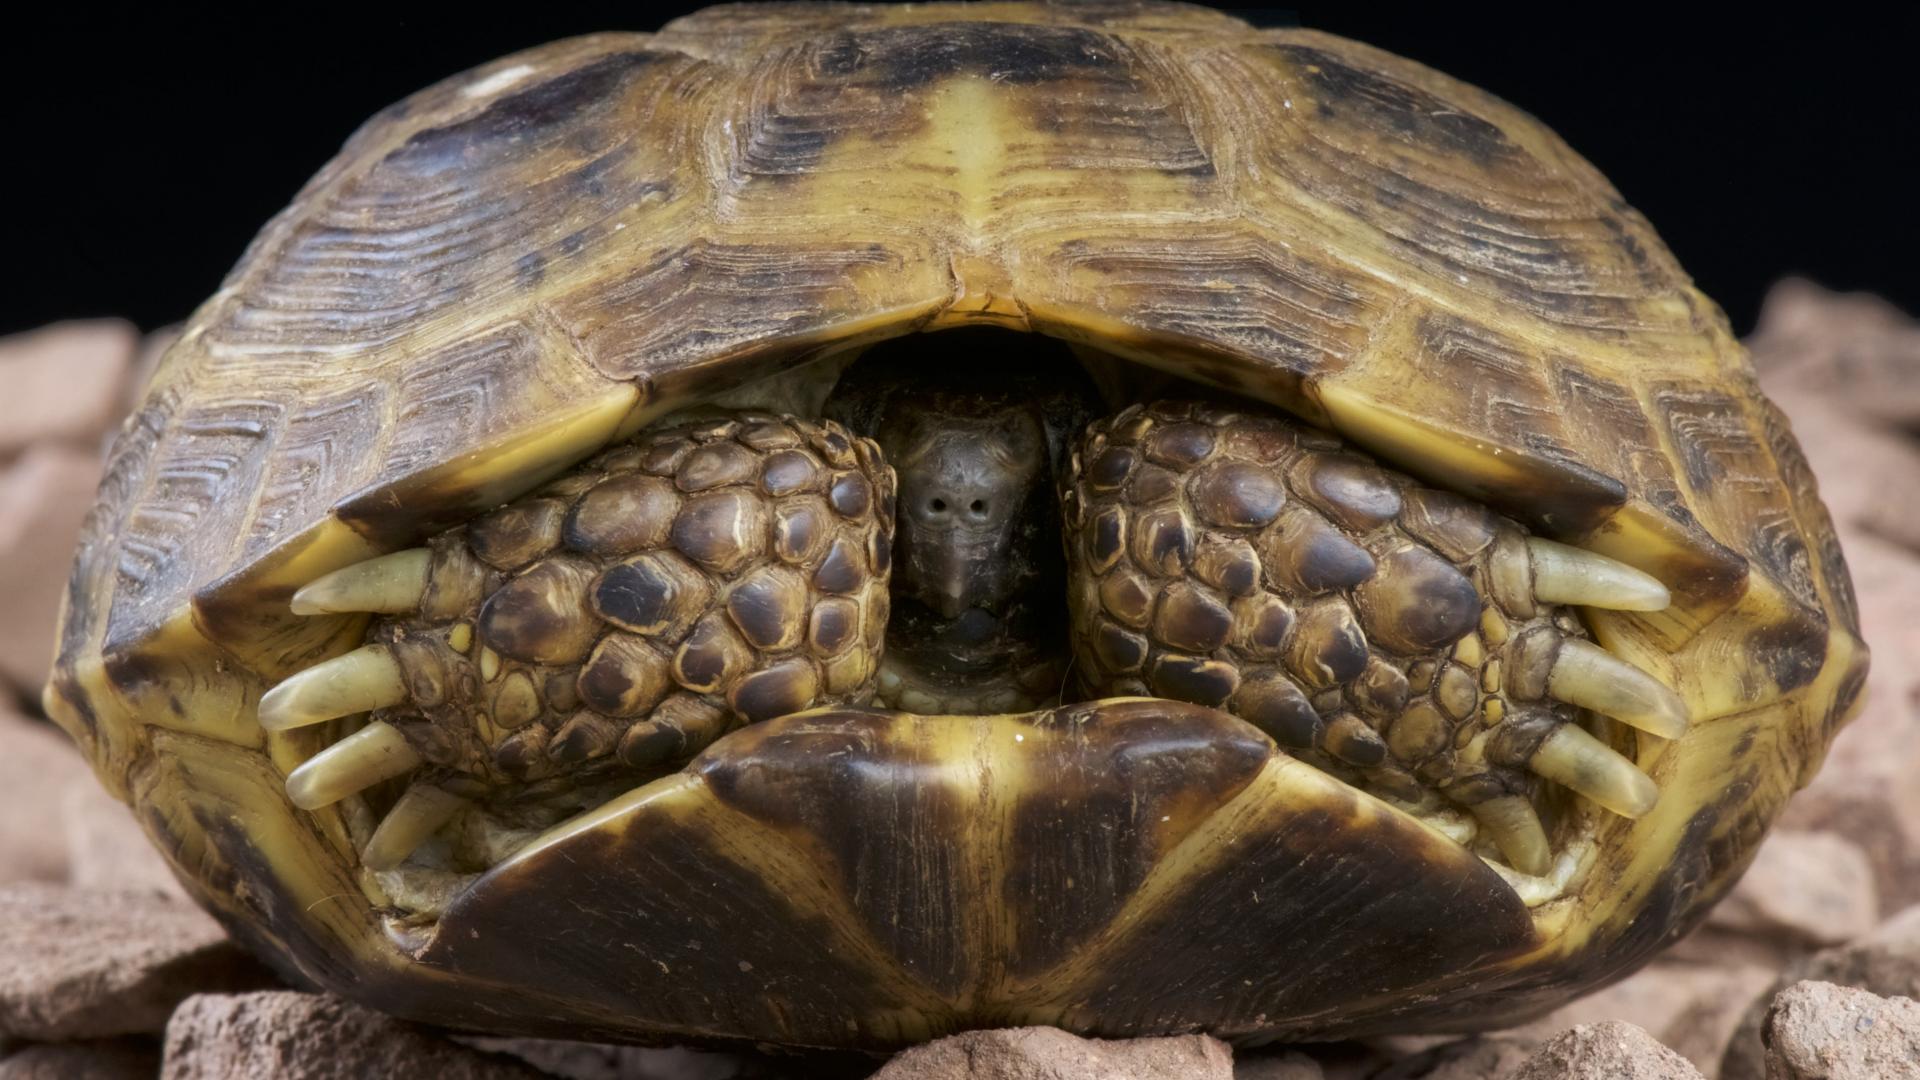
{"x": 514, "y": 268}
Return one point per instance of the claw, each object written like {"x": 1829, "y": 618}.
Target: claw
{"x": 1569, "y": 575}
{"x": 1590, "y": 677}
{"x": 417, "y": 816}
{"x": 1572, "y": 757}
{"x": 374, "y": 753}
{"x": 365, "y": 679}
{"x": 1517, "y": 832}
{"x": 391, "y": 584}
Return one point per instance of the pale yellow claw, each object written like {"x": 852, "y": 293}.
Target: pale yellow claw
{"x": 1563, "y": 574}
{"x": 391, "y": 584}
{"x": 365, "y": 679}
{"x": 375, "y": 753}
{"x": 416, "y": 816}
{"x": 1589, "y": 677}
{"x": 1516, "y": 830}
{"x": 1573, "y": 758}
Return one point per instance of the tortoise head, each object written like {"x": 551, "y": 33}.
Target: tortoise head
{"x": 1390, "y": 604}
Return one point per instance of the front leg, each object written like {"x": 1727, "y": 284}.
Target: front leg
{"x": 1403, "y": 638}
{"x": 618, "y": 619}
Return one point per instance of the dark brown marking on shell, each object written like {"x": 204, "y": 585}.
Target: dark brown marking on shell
{"x": 851, "y": 495}
{"x": 1455, "y": 527}
{"x": 656, "y": 593}
{"x": 624, "y": 676}
{"x": 1236, "y": 495}
{"x": 1180, "y": 446}
{"x": 1273, "y": 703}
{"x": 1228, "y": 564}
{"x": 800, "y": 530}
{"x": 1107, "y": 538}
{"x": 1312, "y": 556}
{"x": 1127, "y": 596}
{"x": 786, "y": 687}
{"x": 622, "y": 514}
{"x": 770, "y": 607}
{"x": 582, "y": 738}
{"x": 833, "y": 626}
{"x": 1119, "y": 651}
{"x": 1352, "y": 741}
{"x": 789, "y": 472}
{"x": 1326, "y": 647}
{"x": 1110, "y": 468}
{"x": 712, "y": 656}
{"x": 541, "y": 616}
{"x": 1355, "y": 494}
{"x": 1193, "y": 678}
{"x": 717, "y": 464}
{"x": 841, "y": 571}
{"x": 721, "y": 530}
{"x": 1260, "y": 624}
{"x": 1417, "y": 602}
{"x": 1162, "y": 540}
{"x": 513, "y": 536}
{"x": 1191, "y": 619}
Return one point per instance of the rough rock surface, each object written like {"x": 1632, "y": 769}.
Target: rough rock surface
{"x": 1038, "y": 1053}
{"x": 1885, "y": 962}
{"x": 1819, "y": 1031}
{"x": 295, "y": 1036}
{"x": 1814, "y": 888}
{"x": 44, "y": 495}
{"x": 38, "y": 766}
{"x": 1607, "y": 1051}
{"x": 88, "y": 965}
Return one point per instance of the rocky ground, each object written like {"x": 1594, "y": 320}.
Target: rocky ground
{"x": 1810, "y": 970}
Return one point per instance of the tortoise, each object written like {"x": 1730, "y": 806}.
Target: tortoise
{"x": 828, "y": 525}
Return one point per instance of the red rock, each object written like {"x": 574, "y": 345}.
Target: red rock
{"x": 1040, "y": 1053}
{"x": 1691, "y": 1007}
{"x": 44, "y": 496}
{"x": 1606, "y": 1051}
{"x": 1885, "y": 962}
{"x": 99, "y": 1059}
{"x": 65, "y": 383}
{"x": 1819, "y": 1031}
{"x": 106, "y": 848}
{"x": 1815, "y": 888}
{"x": 88, "y": 965}
{"x": 295, "y": 1036}
{"x": 38, "y": 766}
{"x": 1852, "y": 347}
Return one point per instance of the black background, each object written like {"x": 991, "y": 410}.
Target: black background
{"x": 143, "y": 152}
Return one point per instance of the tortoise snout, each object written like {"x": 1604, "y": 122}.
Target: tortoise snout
{"x": 961, "y": 501}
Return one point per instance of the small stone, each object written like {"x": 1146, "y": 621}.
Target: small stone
{"x": 297, "y": 1036}
{"x": 89, "y": 965}
{"x": 1885, "y": 962}
{"x": 65, "y": 383}
{"x": 1610, "y": 1050}
{"x": 1039, "y": 1053}
{"x": 44, "y": 497}
{"x": 1819, "y": 1031}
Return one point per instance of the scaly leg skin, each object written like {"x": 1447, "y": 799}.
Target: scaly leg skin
{"x": 619, "y": 619}
{"x": 1403, "y": 638}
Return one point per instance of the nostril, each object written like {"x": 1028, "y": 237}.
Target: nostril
{"x": 938, "y": 506}
{"x": 978, "y": 508}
